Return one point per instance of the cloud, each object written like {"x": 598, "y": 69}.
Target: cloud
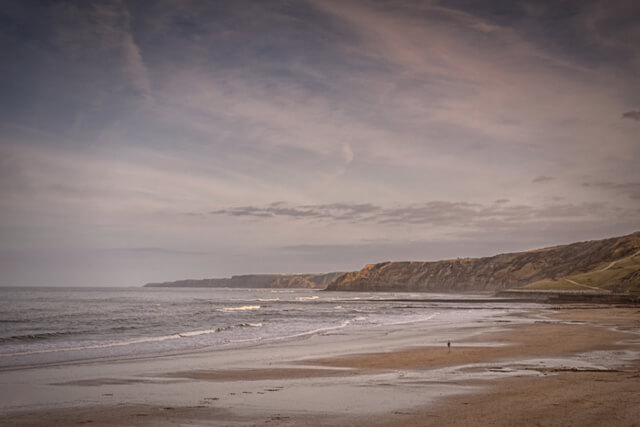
{"x": 335, "y": 212}
{"x": 149, "y": 251}
{"x": 630, "y": 189}
{"x": 633, "y": 115}
{"x": 118, "y": 116}
{"x": 541, "y": 178}
{"x": 612, "y": 27}
{"x": 456, "y": 215}
{"x": 97, "y": 35}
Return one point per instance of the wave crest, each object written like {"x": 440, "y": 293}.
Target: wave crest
{"x": 242, "y": 308}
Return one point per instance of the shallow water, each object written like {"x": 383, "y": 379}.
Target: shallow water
{"x": 53, "y": 325}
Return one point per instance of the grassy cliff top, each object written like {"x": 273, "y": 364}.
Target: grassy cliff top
{"x": 622, "y": 275}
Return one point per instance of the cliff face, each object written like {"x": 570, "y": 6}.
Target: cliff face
{"x": 312, "y": 281}
{"x": 491, "y": 273}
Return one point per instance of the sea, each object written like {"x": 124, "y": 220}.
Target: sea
{"x": 45, "y": 326}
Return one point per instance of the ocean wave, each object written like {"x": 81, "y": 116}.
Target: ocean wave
{"x": 268, "y": 299}
{"x": 242, "y": 308}
{"x": 123, "y": 328}
{"x": 95, "y": 346}
{"x": 196, "y": 333}
{"x": 145, "y": 340}
{"x": 414, "y": 320}
{"x": 251, "y": 325}
{"x": 36, "y": 337}
{"x": 342, "y": 325}
{"x": 307, "y": 298}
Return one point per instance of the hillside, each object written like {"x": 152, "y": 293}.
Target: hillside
{"x": 577, "y": 261}
{"x": 616, "y": 276}
{"x": 312, "y": 281}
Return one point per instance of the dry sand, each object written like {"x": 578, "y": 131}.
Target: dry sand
{"x": 536, "y": 373}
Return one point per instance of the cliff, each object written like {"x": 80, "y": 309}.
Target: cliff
{"x": 313, "y": 281}
{"x": 491, "y": 273}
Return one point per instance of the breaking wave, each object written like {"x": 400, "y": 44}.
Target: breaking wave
{"x": 36, "y": 337}
{"x": 144, "y": 340}
{"x": 242, "y": 308}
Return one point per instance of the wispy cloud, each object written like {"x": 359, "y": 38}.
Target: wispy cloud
{"x": 82, "y": 30}
{"x": 373, "y": 119}
{"x": 149, "y": 251}
{"x": 541, "y": 178}
{"x": 633, "y": 115}
{"x": 436, "y": 213}
{"x": 335, "y": 211}
{"x": 630, "y": 189}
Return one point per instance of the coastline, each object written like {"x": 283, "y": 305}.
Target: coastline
{"x": 506, "y": 370}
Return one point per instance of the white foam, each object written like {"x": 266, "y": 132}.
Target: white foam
{"x": 342, "y": 325}
{"x": 196, "y": 333}
{"x": 307, "y": 298}
{"x": 98, "y": 346}
{"x": 130, "y": 342}
{"x": 242, "y": 308}
{"x": 404, "y": 322}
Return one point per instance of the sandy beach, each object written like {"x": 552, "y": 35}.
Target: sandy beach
{"x": 562, "y": 365}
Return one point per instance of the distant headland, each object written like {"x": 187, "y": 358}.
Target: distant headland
{"x": 311, "y": 281}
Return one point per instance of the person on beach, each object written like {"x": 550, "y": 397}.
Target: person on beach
{"x": 449, "y": 346}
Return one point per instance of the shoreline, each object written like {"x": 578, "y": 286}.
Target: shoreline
{"x": 572, "y": 297}
{"x": 148, "y": 346}
{"x": 382, "y": 377}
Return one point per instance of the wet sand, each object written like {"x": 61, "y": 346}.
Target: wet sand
{"x": 566, "y": 399}
{"x": 559, "y": 396}
{"x": 561, "y": 366}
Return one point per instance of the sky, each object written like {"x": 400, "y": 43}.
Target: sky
{"x": 152, "y": 141}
